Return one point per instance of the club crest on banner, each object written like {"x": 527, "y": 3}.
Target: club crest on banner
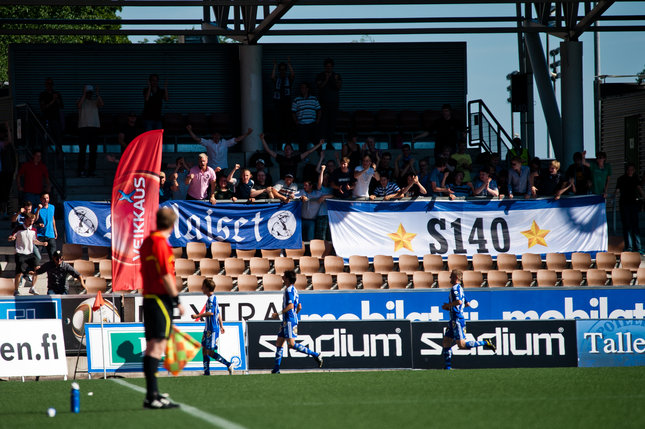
{"x": 282, "y": 225}
{"x": 83, "y": 221}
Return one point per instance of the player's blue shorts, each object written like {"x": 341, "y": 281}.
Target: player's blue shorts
{"x": 210, "y": 340}
{"x": 456, "y": 329}
{"x": 288, "y": 329}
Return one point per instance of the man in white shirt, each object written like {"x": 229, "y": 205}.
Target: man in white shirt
{"x": 25, "y": 237}
{"x": 216, "y": 148}
{"x": 363, "y": 175}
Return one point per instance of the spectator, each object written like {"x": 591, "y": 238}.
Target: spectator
{"x": 413, "y": 188}
{"x": 305, "y": 110}
{"x": 128, "y": 131}
{"x": 47, "y": 231}
{"x": 288, "y": 161}
{"x": 551, "y": 183}
{"x": 363, "y": 176}
{"x": 216, "y": 148}
{"x": 25, "y": 238}
{"x": 18, "y": 218}
{"x": 33, "y": 179}
{"x": 178, "y": 178}
{"x": 57, "y": 271}
{"x": 447, "y": 131}
{"x": 580, "y": 175}
{"x": 51, "y": 106}
{"x": 322, "y": 220}
{"x": 352, "y": 150}
{"x": 404, "y": 163}
{"x": 384, "y": 168}
{"x": 262, "y": 185}
{"x": 424, "y": 173}
{"x": 329, "y": 84}
{"x": 485, "y": 186}
{"x": 459, "y": 187}
{"x": 463, "y": 159}
{"x": 310, "y": 208}
{"x": 386, "y": 189}
{"x": 600, "y": 173}
{"x": 223, "y": 189}
{"x": 285, "y": 190}
{"x": 341, "y": 181}
{"x": 153, "y": 98}
{"x": 260, "y": 166}
{"x": 200, "y": 179}
{"x": 89, "y": 125}
{"x": 165, "y": 188}
{"x": 438, "y": 178}
{"x": 7, "y": 166}
{"x": 369, "y": 148}
{"x": 244, "y": 187}
{"x": 631, "y": 193}
{"x": 518, "y": 151}
{"x": 282, "y": 92}
{"x": 519, "y": 183}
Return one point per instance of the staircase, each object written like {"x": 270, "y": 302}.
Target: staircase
{"x": 485, "y": 130}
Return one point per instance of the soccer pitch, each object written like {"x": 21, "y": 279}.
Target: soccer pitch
{"x": 502, "y": 398}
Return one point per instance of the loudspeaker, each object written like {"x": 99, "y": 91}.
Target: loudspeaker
{"x": 519, "y": 96}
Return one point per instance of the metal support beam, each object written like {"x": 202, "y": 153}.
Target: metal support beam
{"x": 571, "y": 95}
{"x": 589, "y": 19}
{"x": 270, "y": 20}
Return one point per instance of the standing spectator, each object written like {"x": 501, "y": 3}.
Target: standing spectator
{"x": 404, "y": 163}
{"x": 463, "y": 159}
{"x": 260, "y": 166}
{"x": 438, "y": 179}
{"x": 600, "y": 173}
{"x": 153, "y": 98}
{"x": 485, "y": 186}
{"x": 518, "y": 151}
{"x": 322, "y": 220}
{"x": 579, "y": 175}
{"x": 519, "y": 183}
{"x": 288, "y": 161}
{"x": 25, "y": 238}
{"x": 352, "y": 150}
{"x": 286, "y": 189}
{"x": 341, "y": 181}
{"x": 310, "y": 208}
{"x": 384, "y": 168}
{"x": 282, "y": 92}
{"x": 424, "y": 173}
{"x": 178, "y": 178}
{"x": 363, "y": 176}
{"x": 51, "y": 106}
{"x": 7, "y": 166}
{"x": 447, "y": 131}
{"x": 305, "y": 110}
{"x": 57, "y": 271}
{"x": 88, "y": 128}
{"x": 329, "y": 84}
{"x": 631, "y": 193}
{"x": 223, "y": 190}
{"x": 413, "y": 188}
{"x": 165, "y": 188}
{"x": 459, "y": 187}
{"x": 47, "y": 231}
{"x": 386, "y": 189}
{"x": 160, "y": 298}
{"x": 244, "y": 187}
{"x": 216, "y": 148}
{"x": 551, "y": 183}
{"x": 262, "y": 185}
{"x": 200, "y": 179}
{"x": 33, "y": 179}
{"x": 128, "y": 131}
{"x": 369, "y": 148}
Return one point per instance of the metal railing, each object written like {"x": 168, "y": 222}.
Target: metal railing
{"x": 485, "y": 131}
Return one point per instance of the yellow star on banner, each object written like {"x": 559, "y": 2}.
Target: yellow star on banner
{"x": 536, "y": 235}
{"x": 402, "y": 238}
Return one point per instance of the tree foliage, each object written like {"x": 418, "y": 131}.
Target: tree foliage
{"x": 55, "y": 12}
{"x": 641, "y": 77}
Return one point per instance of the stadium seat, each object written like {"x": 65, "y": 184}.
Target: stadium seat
{"x": 531, "y": 262}
{"x": 319, "y": 248}
{"x": 301, "y": 282}
{"x": 605, "y": 261}
{"x": 630, "y": 261}
{"x": 209, "y": 267}
{"x": 194, "y": 283}
{"x": 97, "y": 253}
{"x": 245, "y": 254}
{"x": 309, "y": 265}
{"x": 178, "y": 252}
{"x": 507, "y": 262}
{"x": 84, "y": 268}
{"x": 521, "y": 278}
{"x": 223, "y": 283}
{"x": 322, "y": 281}
{"x": 333, "y": 264}
{"x": 346, "y": 281}
{"x": 457, "y": 262}
{"x": 195, "y": 250}
{"x": 72, "y": 252}
{"x": 497, "y": 278}
{"x": 271, "y": 253}
{"x": 259, "y": 266}
{"x": 282, "y": 264}
{"x": 272, "y": 282}
{"x": 247, "y": 283}
{"x": 359, "y": 264}
{"x": 621, "y": 277}
{"x": 185, "y": 267}
{"x": 443, "y": 279}
{"x": 572, "y": 277}
{"x": 596, "y": 277}
{"x": 581, "y": 261}
{"x": 556, "y": 262}
{"x": 547, "y": 277}
{"x": 482, "y": 262}
{"x": 295, "y": 253}
{"x": 422, "y": 279}
{"x": 234, "y": 266}
{"x": 473, "y": 279}
{"x": 6, "y": 286}
{"x": 220, "y": 250}
{"x": 432, "y": 263}
{"x": 95, "y": 284}
{"x": 408, "y": 264}
{"x": 372, "y": 280}
{"x": 397, "y": 280}
{"x": 640, "y": 277}
{"x": 383, "y": 263}
{"x": 105, "y": 269}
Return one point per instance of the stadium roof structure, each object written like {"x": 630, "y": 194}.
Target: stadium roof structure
{"x": 247, "y": 21}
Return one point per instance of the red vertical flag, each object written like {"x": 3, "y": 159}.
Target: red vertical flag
{"x": 135, "y": 200}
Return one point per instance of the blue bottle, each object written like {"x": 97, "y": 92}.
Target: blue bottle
{"x": 75, "y": 399}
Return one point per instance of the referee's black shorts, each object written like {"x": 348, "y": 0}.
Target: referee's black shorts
{"x": 157, "y": 316}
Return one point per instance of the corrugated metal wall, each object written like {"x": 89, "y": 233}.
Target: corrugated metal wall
{"x": 613, "y": 113}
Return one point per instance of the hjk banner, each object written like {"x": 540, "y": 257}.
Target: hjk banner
{"x": 576, "y": 224}
{"x": 135, "y": 200}
{"x": 245, "y": 226}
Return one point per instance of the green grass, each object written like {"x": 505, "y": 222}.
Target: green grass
{"x": 509, "y": 398}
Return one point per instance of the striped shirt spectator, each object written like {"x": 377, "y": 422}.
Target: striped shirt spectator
{"x": 306, "y": 109}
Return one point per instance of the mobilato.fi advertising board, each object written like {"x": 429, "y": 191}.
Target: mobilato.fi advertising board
{"x": 616, "y": 342}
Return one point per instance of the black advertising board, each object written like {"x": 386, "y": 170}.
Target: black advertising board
{"x": 520, "y": 344}
{"x": 77, "y": 310}
{"x": 344, "y": 344}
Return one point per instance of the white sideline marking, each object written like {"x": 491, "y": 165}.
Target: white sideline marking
{"x": 195, "y": 412}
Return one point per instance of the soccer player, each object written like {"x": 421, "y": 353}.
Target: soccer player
{"x": 456, "y": 332}
{"x": 214, "y": 326}
{"x": 290, "y": 308}
{"x": 159, "y": 300}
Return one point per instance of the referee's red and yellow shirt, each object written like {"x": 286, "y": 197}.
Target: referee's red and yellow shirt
{"x": 157, "y": 260}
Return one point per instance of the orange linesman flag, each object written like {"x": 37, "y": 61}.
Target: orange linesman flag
{"x": 181, "y": 348}
{"x": 98, "y": 302}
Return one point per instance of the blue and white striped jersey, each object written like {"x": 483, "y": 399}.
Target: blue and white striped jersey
{"x": 290, "y": 297}
{"x": 212, "y": 322}
{"x": 457, "y": 294}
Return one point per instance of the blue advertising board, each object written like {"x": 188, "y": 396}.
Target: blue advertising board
{"x": 615, "y": 342}
{"x": 44, "y": 307}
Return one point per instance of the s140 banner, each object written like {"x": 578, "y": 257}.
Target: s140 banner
{"x": 576, "y": 224}
{"x": 245, "y": 226}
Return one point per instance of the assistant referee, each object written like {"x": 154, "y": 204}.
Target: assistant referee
{"x": 159, "y": 300}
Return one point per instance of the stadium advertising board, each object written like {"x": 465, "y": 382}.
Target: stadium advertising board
{"x": 343, "y": 344}
{"x": 255, "y": 226}
{"x": 32, "y": 348}
{"x": 125, "y": 343}
{"x": 425, "y": 305}
{"x": 42, "y": 307}
{"x": 520, "y": 344}
{"x": 616, "y": 342}
{"x": 77, "y": 310}
{"x": 576, "y": 224}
